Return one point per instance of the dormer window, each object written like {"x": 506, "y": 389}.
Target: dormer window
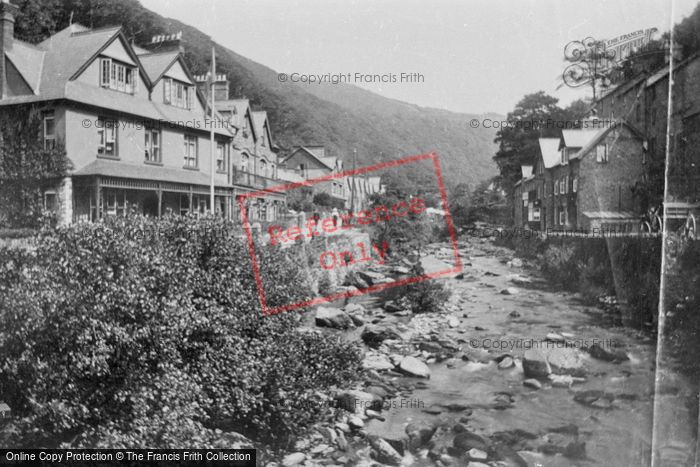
{"x": 177, "y": 93}
{"x": 564, "y": 156}
{"x": 118, "y": 76}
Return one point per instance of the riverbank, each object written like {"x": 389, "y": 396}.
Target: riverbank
{"x": 512, "y": 370}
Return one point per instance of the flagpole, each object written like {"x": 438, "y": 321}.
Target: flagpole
{"x": 212, "y": 145}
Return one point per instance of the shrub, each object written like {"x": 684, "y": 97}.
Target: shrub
{"x": 426, "y": 296}
{"x": 149, "y": 333}
{"x": 560, "y": 266}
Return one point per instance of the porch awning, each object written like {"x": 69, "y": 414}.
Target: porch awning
{"x": 146, "y": 172}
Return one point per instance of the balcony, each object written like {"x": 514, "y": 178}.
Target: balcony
{"x": 252, "y": 180}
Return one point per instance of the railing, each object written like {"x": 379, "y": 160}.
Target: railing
{"x": 253, "y": 180}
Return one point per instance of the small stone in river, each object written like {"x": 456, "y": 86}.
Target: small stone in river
{"x": 295, "y": 458}
{"x": 452, "y": 321}
{"x": 344, "y": 427}
{"x": 433, "y": 410}
{"x": 506, "y": 363}
{"x": 477, "y": 454}
{"x": 414, "y": 367}
{"x": 554, "y": 337}
{"x": 356, "y": 422}
{"x": 479, "y": 328}
{"x": 509, "y": 291}
{"x": 514, "y": 314}
{"x": 532, "y": 383}
{"x": 374, "y": 414}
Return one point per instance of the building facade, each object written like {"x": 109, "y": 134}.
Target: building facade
{"x": 135, "y": 127}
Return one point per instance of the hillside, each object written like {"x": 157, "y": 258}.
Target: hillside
{"x": 340, "y": 117}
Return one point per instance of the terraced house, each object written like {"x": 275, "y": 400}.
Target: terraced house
{"x": 584, "y": 180}
{"x": 133, "y": 123}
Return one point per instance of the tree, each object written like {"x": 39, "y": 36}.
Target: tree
{"x": 536, "y": 116}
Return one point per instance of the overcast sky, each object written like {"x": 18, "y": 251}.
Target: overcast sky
{"x": 476, "y": 56}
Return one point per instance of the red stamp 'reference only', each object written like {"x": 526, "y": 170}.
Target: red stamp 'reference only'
{"x": 363, "y": 253}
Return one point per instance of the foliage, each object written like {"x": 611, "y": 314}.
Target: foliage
{"x": 403, "y": 235}
{"x": 26, "y": 167}
{"x": 425, "y": 296}
{"x": 300, "y": 199}
{"x": 148, "y": 333}
{"x": 535, "y": 116}
{"x": 325, "y": 200}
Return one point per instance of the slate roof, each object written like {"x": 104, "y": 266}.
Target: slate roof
{"x": 51, "y": 66}
{"x": 601, "y": 133}
{"x": 576, "y": 138}
{"x": 549, "y": 148}
{"x": 155, "y": 64}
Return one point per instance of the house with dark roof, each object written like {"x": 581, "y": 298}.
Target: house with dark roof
{"x": 134, "y": 126}
{"x": 590, "y": 178}
{"x": 312, "y": 162}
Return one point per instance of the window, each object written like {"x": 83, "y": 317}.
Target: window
{"x": 601, "y": 153}
{"x": 562, "y": 216}
{"x": 152, "y": 145}
{"x": 49, "y": 130}
{"x": 302, "y": 170}
{"x": 556, "y": 187}
{"x": 564, "y": 156}
{"x": 263, "y": 168}
{"x": 190, "y": 152}
{"x": 220, "y": 157}
{"x": 50, "y": 200}
{"x": 177, "y": 93}
{"x": 166, "y": 91}
{"x": 273, "y": 171}
{"x": 107, "y": 137}
{"x": 244, "y": 163}
{"x": 536, "y": 214}
{"x": 574, "y": 186}
{"x": 117, "y": 76}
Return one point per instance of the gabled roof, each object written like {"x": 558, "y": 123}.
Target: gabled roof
{"x": 526, "y": 171}
{"x": 156, "y": 64}
{"x": 239, "y": 107}
{"x": 549, "y": 148}
{"x": 318, "y": 151}
{"x": 600, "y": 134}
{"x": 576, "y": 138}
{"x": 312, "y": 151}
{"x": 28, "y": 59}
{"x": 51, "y": 65}
{"x": 259, "y": 120}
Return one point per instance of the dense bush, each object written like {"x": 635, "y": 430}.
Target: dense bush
{"x": 138, "y": 332}
{"x": 426, "y": 296}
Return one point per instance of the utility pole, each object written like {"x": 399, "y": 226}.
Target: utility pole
{"x": 212, "y": 144}
{"x": 352, "y": 180}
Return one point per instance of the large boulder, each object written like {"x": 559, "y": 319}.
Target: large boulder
{"x": 333, "y": 318}
{"x": 419, "y": 434}
{"x": 599, "y": 352}
{"x": 414, "y": 367}
{"x": 293, "y": 459}
{"x": 374, "y": 335}
{"x": 467, "y": 440}
{"x": 540, "y": 363}
{"x": 377, "y": 362}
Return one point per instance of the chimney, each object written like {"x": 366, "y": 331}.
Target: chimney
{"x": 8, "y": 11}
{"x": 166, "y": 43}
{"x": 221, "y": 86}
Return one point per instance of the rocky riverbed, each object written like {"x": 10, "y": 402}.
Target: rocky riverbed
{"x": 511, "y": 372}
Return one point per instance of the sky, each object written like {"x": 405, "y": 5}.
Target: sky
{"x": 472, "y": 56}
